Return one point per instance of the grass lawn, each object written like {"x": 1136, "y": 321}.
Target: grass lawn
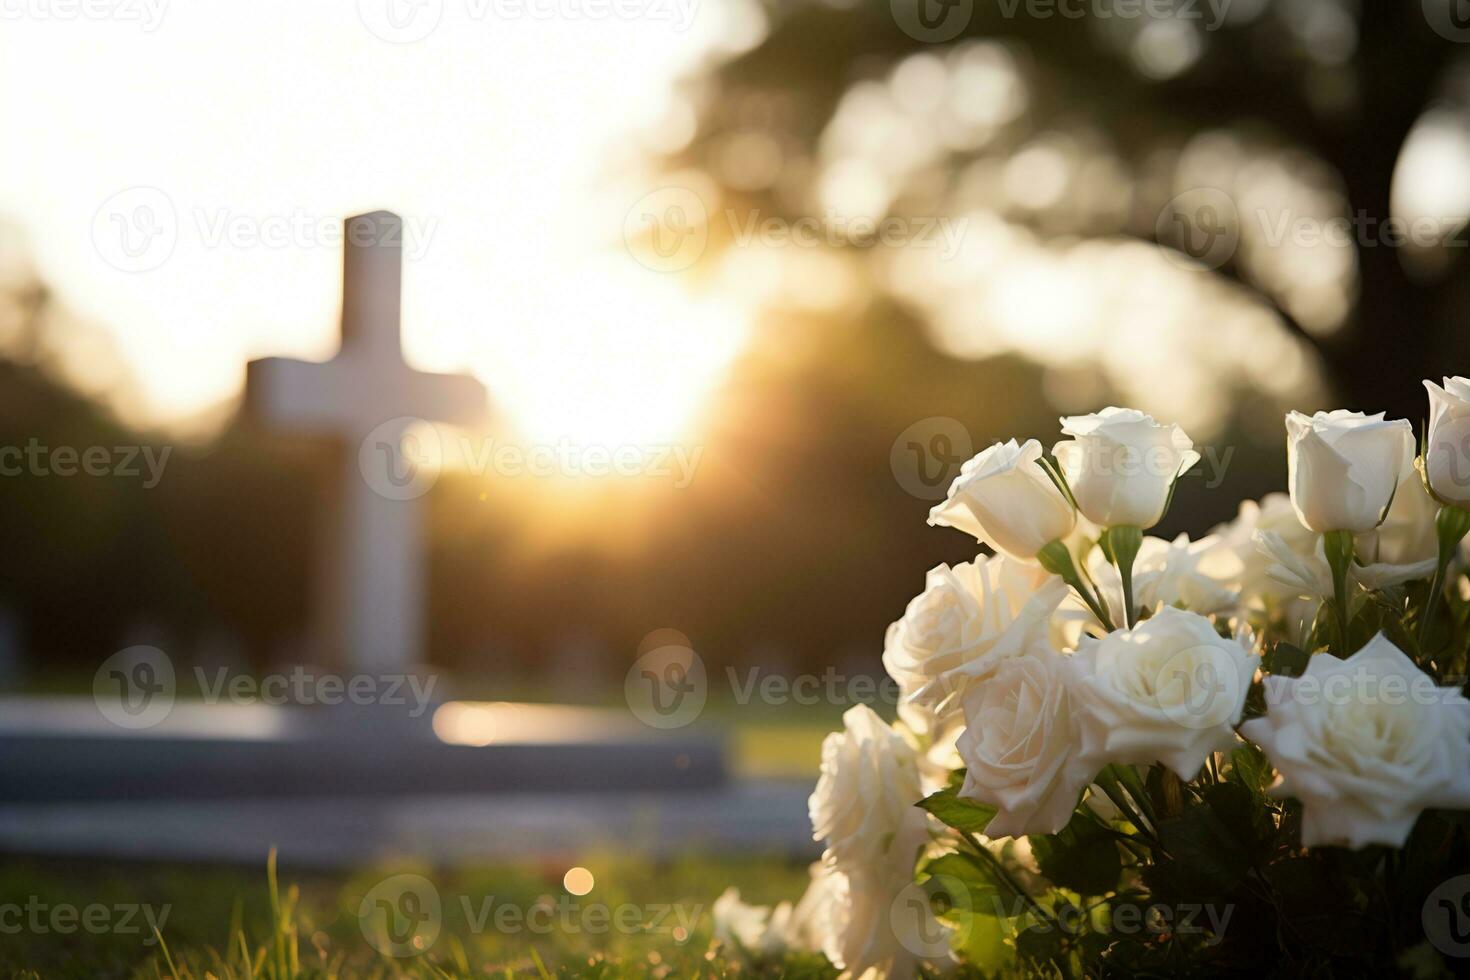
{"x": 638, "y": 919}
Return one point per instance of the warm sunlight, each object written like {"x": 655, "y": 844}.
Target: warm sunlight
{"x": 243, "y": 179}
{"x": 614, "y": 357}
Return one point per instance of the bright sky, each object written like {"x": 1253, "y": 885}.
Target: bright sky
{"x": 494, "y": 136}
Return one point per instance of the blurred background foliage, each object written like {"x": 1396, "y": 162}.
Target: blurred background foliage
{"x": 1060, "y": 144}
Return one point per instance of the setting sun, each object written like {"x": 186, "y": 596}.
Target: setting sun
{"x": 616, "y": 356}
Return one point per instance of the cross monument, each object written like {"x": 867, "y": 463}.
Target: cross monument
{"x": 370, "y": 582}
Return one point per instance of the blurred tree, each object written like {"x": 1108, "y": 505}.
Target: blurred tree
{"x": 90, "y": 562}
{"x": 1322, "y": 92}
{"x": 77, "y": 559}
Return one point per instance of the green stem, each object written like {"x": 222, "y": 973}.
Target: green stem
{"x": 1338, "y": 546}
{"x": 1431, "y": 604}
{"x": 1055, "y": 558}
{"x": 1102, "y": 600}
{"x": 1451, "y": 525}
{"x": 1138, "y": 850}
{"x": 1108, "y": 782}
{"x": 1130, "y": 778}
{"x": 1005, "y": 875}
{"x": 1124, "y": 541}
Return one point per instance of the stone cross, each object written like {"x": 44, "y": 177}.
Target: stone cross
{"x": 370, "y": 580}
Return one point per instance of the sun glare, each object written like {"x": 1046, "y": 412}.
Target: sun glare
{"x": 503, "y": 197}
{"x": 615, "y": 356}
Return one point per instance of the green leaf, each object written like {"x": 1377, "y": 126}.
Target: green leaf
{"x": 1039, "y": 944}
{"x": 1082, "y": 856}
{"x": 1320, "y": 637}
{"x": 1250, "y": 768}
{"x": 1287, "y": 660}
{"x": 1204, "y": 855}
{"x": 982, "y": 939}
{"x": 1165, "y": 790}
{"x": 965, "y": 884}
{"x": 955, "y": 811}
{"x": 1325, "y": 902}
{"x": 1242, "y": 814}
{"x": 1367, "y": 620}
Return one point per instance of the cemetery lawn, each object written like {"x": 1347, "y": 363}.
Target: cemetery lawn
{"x": 238, "y": 923}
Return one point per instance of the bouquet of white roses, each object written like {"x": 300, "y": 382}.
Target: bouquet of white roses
{"x": 1125, "y": 755}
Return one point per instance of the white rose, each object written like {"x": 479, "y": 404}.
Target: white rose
{"x": 1403, "y": 549}
{"x": 1020, "y": 746}
{"x": 1407, "y": 536}
{"x": 863, "y": 806}
{"x": 968, "y": 618}
{"x": 1365, "y": 743}
{"x": 1342, "y": 467}
{"x": 1194, "y": 574}
{"x": 1169, "y": 690}
{"x": 1310, "y": 576}
{"x": 868, "y": 926}
{"x": 756, "y": 930}
{"x": 809, "y": 925}
{"x": 1447, "y": 453}
{"x": 1005, "y": 499}
{"x": 1121, "y": 464}
{"x": 1272, "y": 515}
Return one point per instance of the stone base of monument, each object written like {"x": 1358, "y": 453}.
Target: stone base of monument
{"x": 761, "y": 817}
{"x": 54, "y": 750}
